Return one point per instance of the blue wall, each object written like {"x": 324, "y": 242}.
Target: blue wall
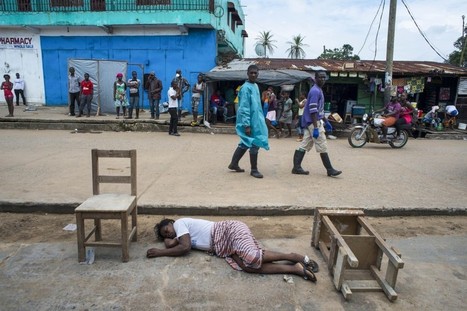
{"x": 193, "y": 53}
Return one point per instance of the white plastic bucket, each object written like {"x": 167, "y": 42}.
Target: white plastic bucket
{"x": 462, "y": 126}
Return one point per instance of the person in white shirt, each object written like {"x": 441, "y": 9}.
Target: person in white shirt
{"x": 198, "y": 91}
{"x": 173, "y": 93}
{"x": 229, "y": 239}
{"x": 451, "y": 110}
{"x": 18, "y": 87}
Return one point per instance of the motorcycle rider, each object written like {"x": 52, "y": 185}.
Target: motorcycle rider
{"x": 405, "y": 115}
{"x": 313, "y": 121}
{"x": 389, "y": 117}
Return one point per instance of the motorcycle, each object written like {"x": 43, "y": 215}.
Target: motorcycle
{"x": 368, "y": 132}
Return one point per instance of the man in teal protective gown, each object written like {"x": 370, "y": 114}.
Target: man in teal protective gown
{"x": 251, "y": 126}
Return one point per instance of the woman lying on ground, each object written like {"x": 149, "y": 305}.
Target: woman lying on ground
{"x": 231, "y": 240}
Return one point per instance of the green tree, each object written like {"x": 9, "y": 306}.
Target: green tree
{"x": 458, "y": 57}
{"x": 344, "y": 53}
{"x": 296, "y": 47}
{"x": 265, "y": 39}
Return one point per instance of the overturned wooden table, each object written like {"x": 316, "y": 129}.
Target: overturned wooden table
{"x": 355, "y": 253}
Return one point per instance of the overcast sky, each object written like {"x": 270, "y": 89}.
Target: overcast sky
{"x": 333, "y": 23}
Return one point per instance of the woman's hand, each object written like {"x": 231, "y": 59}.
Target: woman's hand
{"x": 153, "y": 252}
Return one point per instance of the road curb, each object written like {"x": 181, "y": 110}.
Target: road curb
{"x": 68, "y": 208}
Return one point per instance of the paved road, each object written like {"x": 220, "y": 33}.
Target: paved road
{"x": 188, "y": 174}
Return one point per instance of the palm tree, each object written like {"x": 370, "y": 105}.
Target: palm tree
{"x": 296, "y": 47}
{"x": 265, "y": 39}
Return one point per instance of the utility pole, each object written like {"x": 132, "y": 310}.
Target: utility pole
{"x": 390, "y": 50}
{"x": 463, "y": 40}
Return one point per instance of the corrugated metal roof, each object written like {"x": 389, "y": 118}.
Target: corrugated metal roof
{"x": 365, "y": 66}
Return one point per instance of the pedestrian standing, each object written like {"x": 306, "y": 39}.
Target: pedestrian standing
{"x": 250, "y": 124}
{"x": 73, "y": 90}
{"x": 301, "y": 105}
{"x": 87, "y": 91}
{"x": 134, "y": 84}
{"x": 286, "y": 116}
{"x": 183, "y": 87}
{"x": 120, "y": 95}
{"x": 173, "y": 93}
{"x": 313, "y": 120}
{"x": 198, "y": 91}
{"x": 18, "y": 87}
{"x": 154, "y": 87}
{"x": 7, "y": 86}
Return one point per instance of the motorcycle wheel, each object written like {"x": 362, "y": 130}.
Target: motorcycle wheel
{"x": 357, "y": 138}
{"x": 399, "y": 143}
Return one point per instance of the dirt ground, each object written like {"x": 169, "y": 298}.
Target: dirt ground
{"x": 36, "y": 228}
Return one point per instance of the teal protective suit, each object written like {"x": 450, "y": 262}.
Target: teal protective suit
{"x": 250, "y": 113}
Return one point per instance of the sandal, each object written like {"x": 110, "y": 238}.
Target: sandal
{"x": 306, "y": 276}
{"x": 311, "y": 264}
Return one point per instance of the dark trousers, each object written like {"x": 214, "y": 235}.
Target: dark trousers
{"x": 399, "y": 124}
{"x": 17, "y": 94}
{"x": 74, "y": 98}
{"x": 173, "y": 120}
{"x": 85, "y": 103}
{"x": 154, "y": 107}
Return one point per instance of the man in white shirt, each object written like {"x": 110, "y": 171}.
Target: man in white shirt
{"x": 231, "y": 240}
{"x": 173, "y": 93}
{"x": 18, "y": 87}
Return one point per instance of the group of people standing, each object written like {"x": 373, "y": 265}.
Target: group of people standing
{"x": 252, "y": 127}
{"x": 277, "y": 111}
{"x": 81, "y": 94}
{"x": 8, "y": 87}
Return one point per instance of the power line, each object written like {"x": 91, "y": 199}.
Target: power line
{"x": 377, "y": 34}
{"x": 421, "y": 32}
{"x": 371, "y": 26}
{"x": 379, "y": 27}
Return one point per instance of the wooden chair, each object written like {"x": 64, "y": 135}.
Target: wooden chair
{"x": 108, "y": 206}
{"x": 354, "y": 252}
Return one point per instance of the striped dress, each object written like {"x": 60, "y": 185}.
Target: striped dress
{"x": 234, "y": 237}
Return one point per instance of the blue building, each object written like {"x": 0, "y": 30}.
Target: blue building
{"x": 40, "y": 38}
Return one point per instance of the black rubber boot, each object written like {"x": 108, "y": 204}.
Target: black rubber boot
{"x": 327, "y": 164}
{"x": 130, "y": 113}
{"x": 137, "y": 113}
{"x": 254, "y": 166}
{"x": 297, "y": 163}
{"x": 238, "y": 154}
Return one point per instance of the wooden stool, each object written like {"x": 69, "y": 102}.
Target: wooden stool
{"x": 354, "y": 251}
{"x": 108, "y": 206}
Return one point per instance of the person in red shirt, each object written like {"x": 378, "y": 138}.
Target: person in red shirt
{"x": 7, "y": 86}
{"x": 87, "y": 90}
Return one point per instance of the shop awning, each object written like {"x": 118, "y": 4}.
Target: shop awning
{"x": 237, "y": 71}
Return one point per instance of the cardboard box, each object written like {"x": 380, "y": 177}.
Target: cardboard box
{"x": 335, "y": 117}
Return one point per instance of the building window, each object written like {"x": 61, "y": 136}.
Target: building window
{"x": 23, "y": 5}
{"x": 66, "y": 3}
{"x": 153, "y": 2}
{"x": 97, "y": 5}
